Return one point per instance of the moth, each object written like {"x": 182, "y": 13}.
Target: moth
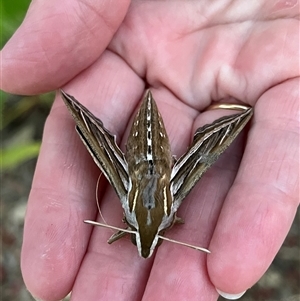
{"x": 150, "y": 186}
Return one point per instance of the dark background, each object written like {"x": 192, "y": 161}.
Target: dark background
{"x": 22, "y": 121}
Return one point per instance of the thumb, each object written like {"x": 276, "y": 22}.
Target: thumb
{"x": 57, "y": 40}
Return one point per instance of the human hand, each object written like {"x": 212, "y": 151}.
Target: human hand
{"x": 190, "y": 54}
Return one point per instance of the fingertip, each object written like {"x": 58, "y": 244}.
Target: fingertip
{"x": 230, "y": 296}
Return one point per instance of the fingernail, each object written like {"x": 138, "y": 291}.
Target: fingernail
{"x": 38, "y": 299}
{"x": 230, "y": 296}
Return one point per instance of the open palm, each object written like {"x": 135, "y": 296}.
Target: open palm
{"x": 190, "y": 54}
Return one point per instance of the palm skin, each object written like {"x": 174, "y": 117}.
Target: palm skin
{"x": 190, "y": 54}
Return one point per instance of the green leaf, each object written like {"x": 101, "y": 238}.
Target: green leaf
{"x": 12, "y": 157}
{"x": 12, "y": 13}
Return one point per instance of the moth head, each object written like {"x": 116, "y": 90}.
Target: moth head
{"x": 149, "y": 211}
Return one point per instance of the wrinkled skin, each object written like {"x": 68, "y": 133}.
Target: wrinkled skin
{"x": 190, "y": 54}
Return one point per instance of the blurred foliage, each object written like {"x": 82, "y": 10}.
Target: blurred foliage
{"x": 18, "y": 154}
{"x": 20, "y": 135}
{"x": 13, "y": 106}
{"x": 12, "y": 13}
{"x": 21, "y": 127}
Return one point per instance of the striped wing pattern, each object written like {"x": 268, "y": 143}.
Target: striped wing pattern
{"x": 101, "y": 144}
{"x": 209, "y": 142}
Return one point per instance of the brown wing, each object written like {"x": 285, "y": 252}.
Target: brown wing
{"x": 210, "y": 141}
{"x": 101, "y": 144}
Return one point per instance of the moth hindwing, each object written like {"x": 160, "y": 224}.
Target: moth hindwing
{"x": 149, "y": 188}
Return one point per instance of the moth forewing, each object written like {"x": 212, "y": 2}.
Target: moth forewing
{"x": 209, "y": 142}
{"x": 101, "y": 144}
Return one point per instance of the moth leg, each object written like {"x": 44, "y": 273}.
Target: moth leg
{"x": 178, "y": 220}
{"x": 116, "y": 236}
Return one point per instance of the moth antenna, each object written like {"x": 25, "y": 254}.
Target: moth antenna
{"x": 108, "y": 226}
{"x": 184, "y": 244}
{"x": 97, "y": 200}
{"x": 134, "y": 232}
{"x": 105, "y": 225}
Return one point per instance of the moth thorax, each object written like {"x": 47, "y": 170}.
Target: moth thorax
{"x": 150, "y": 203}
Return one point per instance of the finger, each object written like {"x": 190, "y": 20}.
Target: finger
{"x": 55, "y": 238}
{"x": 262, "y": 203}
{"x": 63, "y": 190}
{"x": 56, "y": 41}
